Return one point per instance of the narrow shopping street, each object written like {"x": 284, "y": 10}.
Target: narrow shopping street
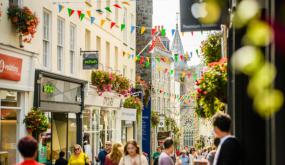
{"x": 142, "y": 82}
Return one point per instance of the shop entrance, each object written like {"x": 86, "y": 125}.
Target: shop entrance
{"x": 60, "y": 137}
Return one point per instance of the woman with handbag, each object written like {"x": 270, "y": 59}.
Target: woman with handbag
{"x": 78, "y": 157}
{"x": 132, "y": 155}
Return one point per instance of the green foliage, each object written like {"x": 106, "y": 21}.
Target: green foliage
{"x": 211, "y": 48}
{"x": 154, "y": 119}
{"x": 134, "y": 103}
{"x": 36, "y": 122}
{"x": 212, "y": 90}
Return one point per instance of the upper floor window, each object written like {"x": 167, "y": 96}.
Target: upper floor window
{"x": 46, "y": 38}
{"x": 72, "y": 47}
{"x": 60, "y": 44}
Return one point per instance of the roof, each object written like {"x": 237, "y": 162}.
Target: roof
{"x": 157, "y": 43}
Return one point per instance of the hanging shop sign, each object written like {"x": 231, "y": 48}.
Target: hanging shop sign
{"x": 161, "y": 123}
{"x": 197, "y": 15}
{"x": 90, "y": 59}
{"x": 128, "y": 114}
{"x": 10, "y": 68}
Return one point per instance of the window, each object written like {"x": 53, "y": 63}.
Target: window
{"x": 108, "y": 54}
{"x": 124, "y": 70}
{"x": 125, "y": 21}
{"x": 72, "y": 47}
{"x": 87, "y": 39}
{"x": 116, "y": 13}
{"x": 108, "y": 14}
{"x": 60, "y": 43}
{"x": 116, "y": 57}
{"x": 98, "y": 47}
{"x": 132, "y": 35}
{"x": 46, "y": 38}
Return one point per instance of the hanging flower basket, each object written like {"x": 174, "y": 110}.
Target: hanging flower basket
{"x": 154, "y": 119}
{"x": 212, "y": 48}
{"x": 25, "y": 21}
{"x": 134, "y": 103}
{"x": 107, "y": 82}
{"x": 36, "y": 122}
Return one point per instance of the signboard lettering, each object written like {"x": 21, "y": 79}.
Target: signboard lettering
{"x": 90, "y": 60}
{"x": 49, "y": 88}
{"x": 10, "y": 68}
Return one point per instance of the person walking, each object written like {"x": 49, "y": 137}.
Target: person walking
{"x": 104, "y": 152}
{"x": 132, "y": 155}
{"x": 211, "y": 155}
{"x": 155, "y": 155}
{"x": 116, "y": 154}
{"x": 28, "y": 147}
{"x": 61, "y": 160}
{"x": 184, "y": 158}
{"x": 192, "y": 156}
{"x": 78, "y": 157}
{"x": 165, "y": 156}
{"x": 228, "y": 151}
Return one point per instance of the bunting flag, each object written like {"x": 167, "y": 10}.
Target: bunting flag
{"x": 82, "y": 16}
{"x": 166, "y": 70}
{"x": 126, "y": 3}
{"x": 70, "y": 11}
{"x": 151, "y": 46}
{"x": 153, "y": 30}
{"x": 112, "y": 24}
{"x": 60, "y": 7}
{"x": 99, "y": 11}
{"x": 163, "y": 32}
{"x": 79, "y": 13}
{"x": 197, "y": 51}
{"x": 108, "y": 9}
{"x": 157, "y": 59}
{"x": 141, "y": 59}
{"x": 132, "y": 29}
{"x": 123, "y": 26}
{"x": 189, "y": 75}
{"x": 147, "y": 62}
{"x": 191, "y": 54}
{"x": 192, "y": 33}
{"x": 171, "y": 71}
{"x": 172, "y": 32}
{"x": 117, "y": 6}
{"x": 138, "y": 57}
{"x": 92, "y": 19}
{"x": 176, "y": 57}
{"x": 142, "y": 30}
{"x": 181, "y": 57}
{"x": 88, "y": 13}
{"x": 102, "y": 22}
{"x": 186, "y": 56}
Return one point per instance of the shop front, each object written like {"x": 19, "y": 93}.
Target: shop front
{"x": 101, "y": 120}
{"x": 15, "y": 93}
{"x": 61, "y": 98}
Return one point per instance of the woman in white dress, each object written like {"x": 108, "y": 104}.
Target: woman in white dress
{"x": 132, "y": 155}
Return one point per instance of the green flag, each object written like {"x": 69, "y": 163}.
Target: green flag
{"x": 82, "y": 16}
{"x": 162, "y": 32}
{"x": 176, "y": 57}
{"x": 123, "y": 26}
{"x": 108, "y": 9}
{"x": 70, "y": 11}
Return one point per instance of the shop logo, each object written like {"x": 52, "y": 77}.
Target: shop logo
{"x": 2, "y": 65}
{"x": 199, "y": 10}
{"x": 49, "y": 88}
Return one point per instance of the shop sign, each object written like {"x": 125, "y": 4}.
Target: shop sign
{"x": 192, "y": 11}
{"x": 161, "y": 122}
{"x": 163, "y": 135}
{"x": 90, "y": 60}
{"x": 10, "y": 68}
{"x": 108, "y": 101}
{"x": 128, "y": 114}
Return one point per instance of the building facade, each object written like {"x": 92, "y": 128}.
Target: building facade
{"x": 54, "y": 54}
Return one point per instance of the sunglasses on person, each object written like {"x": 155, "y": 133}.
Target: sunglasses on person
{"x": 76, "y": 149}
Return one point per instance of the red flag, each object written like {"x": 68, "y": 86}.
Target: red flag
{"x": 153, "y": 30}
{"x": 117, "y": 6}
{"x": 151, "y": 46}
{"x": 79, "y": 13}
{"x": 112, "y": 24}
{"x": 166, "y": 70}
{"x": 162, "y": 59}
{"x": 181, "y": 57}
{"x": 142, "y": 60}
{"x": 192, "y": 33}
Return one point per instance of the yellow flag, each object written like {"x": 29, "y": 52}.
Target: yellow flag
{"x": 102, "y": 22}
{"x": 88, "y": 13}
{"x": 142, "y": 29}
{"x": 183, "y": 74}
{"x": 126, "y": 3}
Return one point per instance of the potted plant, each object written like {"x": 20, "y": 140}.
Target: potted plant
{"x": 36, "y": 122}
{"x": 154, "y": 119}
{"x": 24, "y": 20}
{"x": 211, "y": 48}
{"x": 134, "y": 103}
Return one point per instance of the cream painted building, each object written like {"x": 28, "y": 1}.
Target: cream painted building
{"x": 55, "y": 49}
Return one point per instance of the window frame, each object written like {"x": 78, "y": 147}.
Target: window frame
{"x": 60, "y": 44}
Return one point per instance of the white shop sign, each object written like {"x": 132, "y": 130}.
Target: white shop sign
{"x": 103, "y": 101}
{"x": 128, "y": 114}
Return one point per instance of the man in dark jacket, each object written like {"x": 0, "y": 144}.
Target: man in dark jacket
{"x": 61, "y": 160}
{"x": 104, "y": 152}
{"x": 228, "y": 152}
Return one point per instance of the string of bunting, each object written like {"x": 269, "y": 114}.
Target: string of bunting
{"x": 183, "y": 98}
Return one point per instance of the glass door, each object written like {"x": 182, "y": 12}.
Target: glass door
{"x": 8, "y": 126}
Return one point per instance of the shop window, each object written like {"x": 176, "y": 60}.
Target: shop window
{"x": 8, "y": 125}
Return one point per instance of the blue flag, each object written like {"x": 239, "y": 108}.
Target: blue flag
{"x": 92, "y": 19}
{"x": 60, "y": 7}
{"x": 132, "y": 29}
{"x": 172, "y": 31}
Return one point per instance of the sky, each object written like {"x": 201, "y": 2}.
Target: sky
{"x": 164, "y": 13}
